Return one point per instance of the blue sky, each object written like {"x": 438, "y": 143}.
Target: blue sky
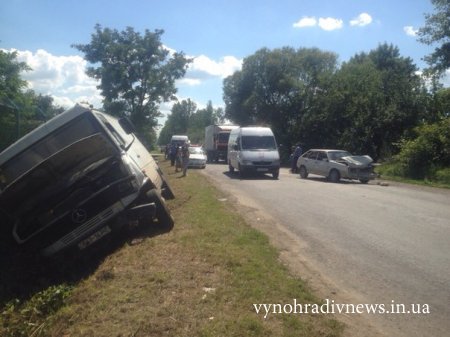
{"x": 218, "y": 34}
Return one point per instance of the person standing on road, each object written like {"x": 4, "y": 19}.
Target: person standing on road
{"x": 185, "y": 158}
{"x": 173, "y": 153}
{"x": 297, "y": 153}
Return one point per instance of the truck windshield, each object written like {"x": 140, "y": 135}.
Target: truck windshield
{"x": 81, "y": 127}
{"x": 223, "y": 137}
{"x": 258, "y": 143}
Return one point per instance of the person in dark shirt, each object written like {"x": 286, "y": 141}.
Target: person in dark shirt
{"x": 297, "y": 153}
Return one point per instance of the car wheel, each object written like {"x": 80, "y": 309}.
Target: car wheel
{"x": 163, "y": 215}
{"x": 303, "y": 172}
{"x": 364, "y": 181}
{"x": 334, "y": 176}
{"x": 276, "y": 174}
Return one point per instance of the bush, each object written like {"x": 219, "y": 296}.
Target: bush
{"x": 443, "y": 176}
{"x": 424, "y": 155}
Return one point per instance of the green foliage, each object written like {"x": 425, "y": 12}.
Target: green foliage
{"x": 365, "y": 106}
{"x": 437, "y": 31}
{"x": 136, "y": 72}
{"x": 428, "y": 154}
{"x": 10, "y": 81}
{"x": 27, "y": 318}
{"x": 20, "y": 111}
{"x": 375, "y": 98}
{"x": 186, "y": 119}
{"x": 280, "y": 88}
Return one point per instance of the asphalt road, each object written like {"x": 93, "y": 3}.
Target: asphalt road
{"x": 385, "y": 245}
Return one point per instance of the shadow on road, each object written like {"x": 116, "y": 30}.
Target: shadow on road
{"x": 324, "y": 180}
{"x": 248, "y": 176}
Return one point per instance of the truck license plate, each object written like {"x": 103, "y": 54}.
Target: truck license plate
{"x": 94, "y": 237}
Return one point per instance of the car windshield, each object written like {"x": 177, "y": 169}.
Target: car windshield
{"x": 258, "y": 143}
{"x": 195, "y": 150}
{"x": 338, "y": 155}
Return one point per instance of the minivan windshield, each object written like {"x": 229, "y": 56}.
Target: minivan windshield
{"x": 258, "y": 143}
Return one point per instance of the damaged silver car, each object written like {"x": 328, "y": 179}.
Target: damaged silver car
{"x": 77, "y": 178}
{"x": 336, "y": 164}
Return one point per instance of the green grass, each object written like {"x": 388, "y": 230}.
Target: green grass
{"x": 437, "y": 178}
{"x": 200, "y": 279}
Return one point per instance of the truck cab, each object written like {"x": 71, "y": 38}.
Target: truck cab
{"x": 76, "y": 179}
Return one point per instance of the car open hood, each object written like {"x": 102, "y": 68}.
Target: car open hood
{"x": 59, "y": 169}
{"x": 357, "y": 161}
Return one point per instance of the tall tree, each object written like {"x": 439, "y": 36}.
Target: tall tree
{"x": 11, "y": 83}
{"x": 278, "y": 87}
{"x": 437, "y": 31}
{"x": 375, "y": 97}
{"x": 21, "y": 110}
{"x": 177, "y": 122}
{"x": 136, "y": 72}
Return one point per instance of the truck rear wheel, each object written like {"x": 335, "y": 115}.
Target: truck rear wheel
{"x": 163, "y": 215}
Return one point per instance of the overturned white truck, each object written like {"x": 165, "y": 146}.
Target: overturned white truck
{"x": 75, "y": 179}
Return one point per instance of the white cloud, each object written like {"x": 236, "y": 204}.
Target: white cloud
{"x": 330, "y": 23}
{"x": 410, "y": 31}
{"x": 189, "y": 81}
{"x": 446, "y": 79}
{"x": 306, "y": 21}
{"x": 223, "y": 68}
{"x": 324, "y": 23}
{"x": 62, "y": 77}
{"x": 362, "y": 19}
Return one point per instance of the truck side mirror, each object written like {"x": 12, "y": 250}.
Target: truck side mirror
{"x": 127, "y": 125}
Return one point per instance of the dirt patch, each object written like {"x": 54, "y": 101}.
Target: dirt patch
{"x": 290, "y": 247}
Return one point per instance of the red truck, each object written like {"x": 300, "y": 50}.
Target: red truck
{"x": 216, "y": 141}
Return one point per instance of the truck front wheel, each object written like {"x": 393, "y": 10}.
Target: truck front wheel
{"x": 163, "y": 215}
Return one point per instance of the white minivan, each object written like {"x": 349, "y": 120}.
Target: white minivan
{"x": 253, "y": 150}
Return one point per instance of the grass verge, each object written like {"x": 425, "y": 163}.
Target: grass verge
{"x": 391, "y": 171}
{"x": 200, "y": 279}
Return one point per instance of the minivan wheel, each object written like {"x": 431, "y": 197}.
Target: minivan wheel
{"x": 241, "y": 172}
{"x": 303, "y": 172}
{"x": 334, "y": 176}
{"x": 163, "y": 215}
